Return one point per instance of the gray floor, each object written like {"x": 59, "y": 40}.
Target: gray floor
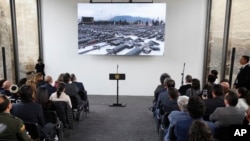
{"x": 104, "y": 123}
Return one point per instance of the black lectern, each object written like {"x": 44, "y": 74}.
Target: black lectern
{"x": 117, "y": 77}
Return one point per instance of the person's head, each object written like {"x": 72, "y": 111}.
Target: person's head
{"x": 173, "y": 93}
{"x": 242, "y": 92}
{"x": 211, "y": 78}
{"x": 217, "y": 90}
{"x": 196, "y": 84}
{"x": 66, "y": 78}
{"x": 225, "y": 86}
{"x": 188, "y": 79}
{"x": 60, "y": 89}
{"x": 244, "y": 59}
{"x": 170, "y": 83}
{"x": 196, "y": 107}
{"x": 182, "y": 102}
{"x": 60, "y": 77}
{"x": 32, "y": 84}
{"x": 22, "y": 81}
{"x": 38, "y": 77}
{"x": 42, "y": 96}
{"x": 162, "y": 78}
{"x": 215, "y": 73}
{"x": 26, "y": 93}
{"x": 39, "y": 60}
{"x": 6, "y": 85}
{"x": 5, "y": 104}
{"x": 199, "y": 131}
{"x": 73, "y": 77}
{"x": 48, "y": 79}
{"x": 231, "y": 98}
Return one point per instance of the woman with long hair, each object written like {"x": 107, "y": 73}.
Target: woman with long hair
{"x": 60, "y": 95}
{"x": 199, "y": 131}
{"x": 43, "y": 98}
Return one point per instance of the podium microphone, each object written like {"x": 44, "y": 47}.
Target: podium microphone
{"x": 117, "y": 68}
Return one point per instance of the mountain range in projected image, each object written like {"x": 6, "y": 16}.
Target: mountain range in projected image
{"x": 121, "y": 28}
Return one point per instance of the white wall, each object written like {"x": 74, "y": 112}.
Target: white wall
{"x": 185, "y": 32}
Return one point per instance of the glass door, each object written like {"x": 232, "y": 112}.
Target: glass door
{"x": 239, "y": 34}
{"x": 6, "y": 41}
{"x": 215, "y": 45}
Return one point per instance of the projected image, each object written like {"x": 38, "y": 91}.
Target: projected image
{"x": 121, "y": 29}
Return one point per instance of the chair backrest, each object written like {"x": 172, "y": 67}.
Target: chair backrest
{"x": 64, "y": 113}
{"x": 74, "y": 102}
{"x": 50, "y": 116}
{"x": 33, "y": 130}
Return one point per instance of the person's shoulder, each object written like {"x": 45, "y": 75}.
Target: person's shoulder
{"x": 14, "y": 120}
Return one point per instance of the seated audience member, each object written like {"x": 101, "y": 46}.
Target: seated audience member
{"x": 71, "y": 89}
{"x": 82, "y": 91}
{"x": 199, "y": 131}
{"x": 164, "y": 96}
{"x": 196, "y": 109}
{"x": 59, "y": 79}
{"x": 162, "y": 100}
{"x": 39, "y": 80}
{"x": 6, "y": 88}
{"x": 42, "y": 98}
{"x": 188, "y": 84}
{"x": 32, "y": 84}
{"x": 22, "y": 81}
{"x": 195, "y": 88}
{"x": 244, "y": 98}
{"x": 209, "y": 86}
{"x": 15, "y": 97}
{"x": 216, "y": 101}
{"x": 60, "y": 95}
{"x": 225, "y": 116}
{"x": 177, "y": 115}
{"x": 226, "y": 86}
{"x": 15, "y": 129}
{"x": 29, "y": 111}
{"x": 48, "y": 84}
{"x": 160, "y": 88}
{"x": 171, "y": 104}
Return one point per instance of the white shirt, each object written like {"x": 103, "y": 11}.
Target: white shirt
{"x": 63, "y": 97}
{"x": 242, "y": 104}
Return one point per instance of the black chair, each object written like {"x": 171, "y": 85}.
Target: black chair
{"x": 77, "y": 108}
{"x": 64, "y": 113}
{"x": 164, "y": 125}
{"x": 51, "y": 116}
{"x": 33, "y": 130}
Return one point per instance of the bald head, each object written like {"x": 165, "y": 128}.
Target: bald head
{"x": 48, "y": 79}
{"x": 225, "y": 86}
{"x": 6, "y": 85}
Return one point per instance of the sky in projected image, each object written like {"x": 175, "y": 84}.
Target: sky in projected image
{"x": 121, "y": 29}
{"x": 107, "y": 11}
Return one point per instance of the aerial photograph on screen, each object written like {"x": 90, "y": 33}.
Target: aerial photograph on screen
{"x": 127, "y": 29}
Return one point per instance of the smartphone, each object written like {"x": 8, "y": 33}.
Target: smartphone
{"x": 204, "y": 93}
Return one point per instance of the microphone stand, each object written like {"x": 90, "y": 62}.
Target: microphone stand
{"x": 182, "y": 74}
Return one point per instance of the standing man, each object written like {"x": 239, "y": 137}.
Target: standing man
{"x": 243, "y": 77}
{"x": 40, "y": 67}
